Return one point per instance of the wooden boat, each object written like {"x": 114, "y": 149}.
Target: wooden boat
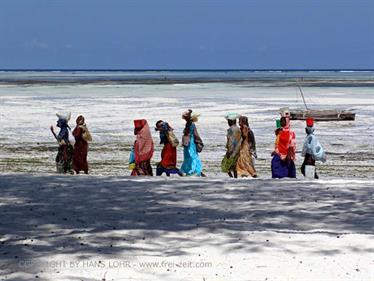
{"x": 320, "y": 115}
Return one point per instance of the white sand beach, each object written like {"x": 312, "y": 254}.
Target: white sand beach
{"x": 121, "y": 228}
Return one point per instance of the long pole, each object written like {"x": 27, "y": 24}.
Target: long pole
{"x": 302, "y": 95}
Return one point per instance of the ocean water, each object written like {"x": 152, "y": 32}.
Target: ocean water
{"x": 250, "y": 77}
{"x": 110, "y": 101}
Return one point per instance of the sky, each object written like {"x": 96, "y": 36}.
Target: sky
{"x": 187, "y": 34}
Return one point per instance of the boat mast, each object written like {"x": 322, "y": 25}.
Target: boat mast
{"x": 302, "y": 94}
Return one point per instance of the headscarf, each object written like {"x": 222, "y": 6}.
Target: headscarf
{"x": 232, "y": 116}
{"x": 244, "y": 120}
{"x": 144, "y": 143}
{"x": 80, "y": 120}
{"x": 163, "y": 129}
{"x": 81, "y": 129}
{"x": 309, "y": 129}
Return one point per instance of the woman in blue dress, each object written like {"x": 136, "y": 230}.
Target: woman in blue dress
{"x": 193, "y": 145}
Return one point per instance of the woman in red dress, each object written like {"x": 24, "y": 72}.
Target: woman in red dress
{"x": 284, "y": 155}
{"x": 82, "y": 137}
{"x": 168, "y": 164}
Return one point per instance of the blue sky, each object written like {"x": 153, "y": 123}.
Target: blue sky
{"x": 186, "y": 34}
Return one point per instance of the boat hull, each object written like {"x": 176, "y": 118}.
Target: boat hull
{"x": 323, "y": 115}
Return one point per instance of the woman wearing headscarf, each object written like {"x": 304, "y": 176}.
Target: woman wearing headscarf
{"x": 312, "y": 149}
{"x": 143, "y": 149}
{"x": 82, "y": 137}
{"x": 284, "y": 154}
{"x": 233, "y": 141}
{"x": 65, "y": 149}
{"x": 168, "y": 164}
{"x": 245, "y": 164}
{"x": 192, "y": 144}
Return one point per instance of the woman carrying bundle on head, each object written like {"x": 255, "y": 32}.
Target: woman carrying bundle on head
{"x": 82, "y": 137}
{"x": 245, "y": 164}
{"x": 142, "y": 150}
{"x": 65, "y": 149}
{"x": 193, "y": 145}
{"x": 312, "y": 150}
{"x": 168, "y": 164}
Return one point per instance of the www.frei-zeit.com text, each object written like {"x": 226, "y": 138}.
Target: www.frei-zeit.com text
{"x": 86, "y": 264}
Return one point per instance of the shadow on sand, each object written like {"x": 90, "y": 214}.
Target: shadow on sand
{"x": 86, "y": 216}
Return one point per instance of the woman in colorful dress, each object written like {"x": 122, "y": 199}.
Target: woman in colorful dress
{"x": 233, "y": 141}
{"x": 284, "y": 154}
{"x": 82, "y": 137}
{"x": 245, "y": 164}
{"x": 65, "y": 149}
{"x": 168, "y": 164}
{"x": 143, "y": 149}
{"x": 193, "y": 145}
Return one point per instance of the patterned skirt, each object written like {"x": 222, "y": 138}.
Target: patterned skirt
{"x": 142, "y": 169}
{"x": 244, "y": 165}
{"x": 64, "y": 159}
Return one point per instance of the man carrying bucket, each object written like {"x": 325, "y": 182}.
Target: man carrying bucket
{"x": 312, "y": 151}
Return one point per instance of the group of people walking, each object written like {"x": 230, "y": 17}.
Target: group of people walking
{"x": 143, "y": 149}
{"x": 71, "y": 158}
{"x": 240, "y": 148}
{"x": 239, "y": 160}
{"x": 284, "y": 154}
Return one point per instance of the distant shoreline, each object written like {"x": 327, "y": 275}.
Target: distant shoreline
{"x": 248, "y": 78}
{"x": 244, "y": 83}
{"x": 287, "y": 82}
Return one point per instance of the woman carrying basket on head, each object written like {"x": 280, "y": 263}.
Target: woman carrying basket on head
{"x": 193, "y": 145}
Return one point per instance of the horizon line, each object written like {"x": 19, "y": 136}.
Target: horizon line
{"x": 188, "y": 69}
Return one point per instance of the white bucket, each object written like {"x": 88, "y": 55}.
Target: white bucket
{"x": 310, "y": 171}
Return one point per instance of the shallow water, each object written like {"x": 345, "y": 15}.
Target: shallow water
{"x": 27, "y": 111}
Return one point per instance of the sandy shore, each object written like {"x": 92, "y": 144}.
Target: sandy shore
{"x": 119, "y": 228}
{"x": 27, "y": 112}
